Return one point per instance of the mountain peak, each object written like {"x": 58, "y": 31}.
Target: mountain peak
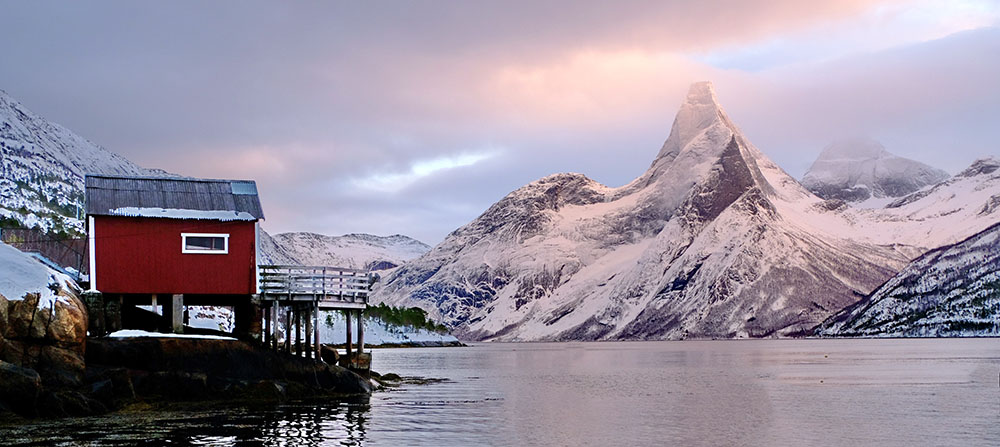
{"x": 860, "y": 168}
{"x": 702, "y": 92}
{"x": 699, "y": 112}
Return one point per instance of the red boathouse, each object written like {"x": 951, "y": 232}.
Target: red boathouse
{"x": 176, "y": 242}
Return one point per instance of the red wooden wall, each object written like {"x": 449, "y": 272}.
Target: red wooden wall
{"x": 143, "y": 255}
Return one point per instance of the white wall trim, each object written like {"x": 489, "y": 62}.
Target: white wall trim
{"x": 256, "y": 254}
{"x": 224, "y": 251}
{"x": 92, "y": 255}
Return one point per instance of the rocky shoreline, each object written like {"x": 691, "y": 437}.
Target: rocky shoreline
{"x": 50, "y": 368}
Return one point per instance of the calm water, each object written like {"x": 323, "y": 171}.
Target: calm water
{"x": 712, "y": 393}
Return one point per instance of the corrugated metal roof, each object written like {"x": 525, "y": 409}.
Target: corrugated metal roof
{"x": 105, "y": 193}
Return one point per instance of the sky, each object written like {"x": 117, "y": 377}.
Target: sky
{"x": 413, "y": 117}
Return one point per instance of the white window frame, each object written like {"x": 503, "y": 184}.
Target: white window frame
{"x": 224, "y": 251}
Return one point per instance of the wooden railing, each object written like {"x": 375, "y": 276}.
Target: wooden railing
{"x": 293, "y": 282}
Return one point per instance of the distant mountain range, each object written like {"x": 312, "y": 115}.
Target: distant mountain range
{"x": 713, "y": 240}
{"x": 860, "y": 170}
{"x": 358, "y": 251}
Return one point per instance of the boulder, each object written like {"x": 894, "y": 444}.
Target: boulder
{"x": 60, "y": 366}
{"x": 19, "y": 388}
{"x": 329, "y": 355}
{"x": 68, "y": 325}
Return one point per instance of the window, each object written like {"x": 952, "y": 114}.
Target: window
{"x": 204, "y": 243}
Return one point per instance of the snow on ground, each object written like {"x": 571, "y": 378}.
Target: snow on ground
{"x": 21, "y": 274}
{"x": 133, "y": 333}
{"x": 377, "y": 332}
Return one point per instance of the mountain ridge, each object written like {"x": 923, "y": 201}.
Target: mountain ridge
{"x": 672, "y": 254}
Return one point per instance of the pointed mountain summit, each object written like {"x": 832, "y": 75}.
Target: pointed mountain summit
{"x": 713, "y": 240}
{"x": 859, "y": 169}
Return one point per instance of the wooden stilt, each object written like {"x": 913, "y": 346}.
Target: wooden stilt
{"x": 274, "y": 329}
{"x": 361, "y": 332}
{"x": 316, "y": 344}
{"x": 267, "y": 326}
{"x": 347, "y": 318}
{"x": 308, "y": 332}
{"x": 298, "y": 331}
{"x": 178, "y": 314}
{"x": 288, "y": 329}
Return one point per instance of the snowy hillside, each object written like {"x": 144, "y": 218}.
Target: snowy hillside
{"x": 359, "y": 251}
{"x": 713, "y": 240}
{"x": 950, "y": 291}
{"x": 42, "y": 165}
{"x": 860, "y": 170}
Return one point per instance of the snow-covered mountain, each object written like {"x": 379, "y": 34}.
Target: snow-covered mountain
{"x": 713, "y": 240}
{"x": 950, "y": 291}
{"x": 359, "y": 251}
{"x": 859, "y": 169}
{"x": 42, "y": 165}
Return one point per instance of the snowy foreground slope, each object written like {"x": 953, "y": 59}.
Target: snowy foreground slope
{"x": 950, "y": 291}
{"x": 21, "y": 274}
{"x": 860, "y": 170}
{"x": 713, "y": 240}
{"x": 358, "y": 251}
{"x": 42, "y": 165}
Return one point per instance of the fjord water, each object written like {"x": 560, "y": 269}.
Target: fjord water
{"x": 896, "y": 392}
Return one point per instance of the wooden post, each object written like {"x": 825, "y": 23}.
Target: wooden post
{"x": 177, "y": 314}
{"x": 316, "y": 345}
{"x": 361, "y": 332}
{"x": 267, "y": 327}
{"x": 288, "y": 329}
{"x": 298, "y": 330}
{"x": 347, "y": 318}
{"x": 274, "y": 328}
{"x": 153, "y": 304}
{"x": 308, "y": 332}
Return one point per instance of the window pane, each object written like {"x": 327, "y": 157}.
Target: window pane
{"x": 204, "y": 243}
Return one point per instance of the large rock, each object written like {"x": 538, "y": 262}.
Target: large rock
{"x": 19, "y": 388}
{"x": 45, "y": 334}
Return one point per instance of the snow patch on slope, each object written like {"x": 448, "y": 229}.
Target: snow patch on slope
{"x": 21, "y": 274}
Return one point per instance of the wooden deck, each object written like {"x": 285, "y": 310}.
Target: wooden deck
{"x": 330, "y": 287}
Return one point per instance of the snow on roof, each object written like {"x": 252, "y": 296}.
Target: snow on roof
{"x": 23, "y": 274}
{"x": 132, "y": 333}
{"x": 225, "y": 216}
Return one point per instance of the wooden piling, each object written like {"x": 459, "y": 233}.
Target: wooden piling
{"x": 288, "y": 328}
{"x": 177, "y": 314}
{"x": 316, "y": 344}
{"x": 307, "y": 334}
{"x": 347, "y": 318}
{"x": 361, "y": 332}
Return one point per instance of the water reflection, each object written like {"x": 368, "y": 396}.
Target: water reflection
{"x": 301, "y": 424}
{"x": 762, "y": 392}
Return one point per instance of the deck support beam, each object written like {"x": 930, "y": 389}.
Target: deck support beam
{"x": 267, "y": 327}
{"x": 177, "y": 314}
{"x": 316, "y": 346}
{"x": 274, "y": 326}
{"x": 288, "y": 329}
{"x": 361, "y": 332}
{"x": 347, "y": 318}
{"x": 298, "y": 330}
{"x": 307, "y": 334}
